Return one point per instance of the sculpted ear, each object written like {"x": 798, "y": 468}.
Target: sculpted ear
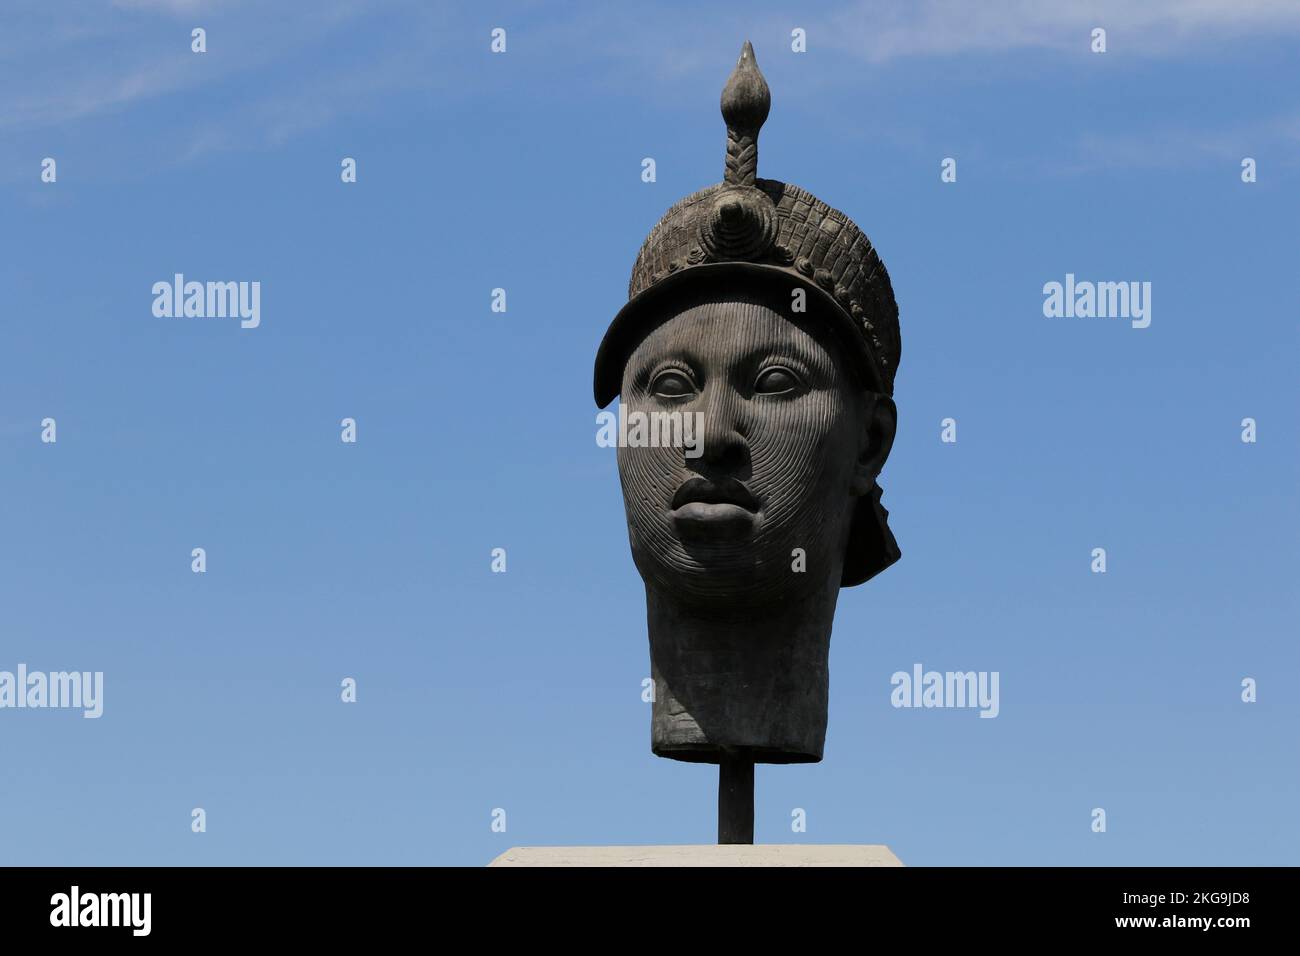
{"x": 879, "y": 425}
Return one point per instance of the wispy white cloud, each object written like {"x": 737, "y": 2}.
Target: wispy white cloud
{"x": 276, "y": 71}
{"x": 116, "y": 57}
{"x": 880, "y": 31}
{"x": 1162, "y": 147}
{"x": 177, "y": 7}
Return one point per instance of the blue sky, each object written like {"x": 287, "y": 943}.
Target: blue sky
{"x": 476, "y": 429}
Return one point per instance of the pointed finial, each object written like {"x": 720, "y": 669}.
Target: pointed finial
{"x": 746, "y": 98}
{"x": 745, "y": 102}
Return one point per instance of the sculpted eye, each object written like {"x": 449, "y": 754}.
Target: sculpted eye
{"x": 775, "y": 380}
{"x": 671, "y": 383}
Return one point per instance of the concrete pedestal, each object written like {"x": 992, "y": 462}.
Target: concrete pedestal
{"x": 788, "y": 854}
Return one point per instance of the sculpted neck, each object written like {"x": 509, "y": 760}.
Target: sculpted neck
{"x": 753, "y": 683}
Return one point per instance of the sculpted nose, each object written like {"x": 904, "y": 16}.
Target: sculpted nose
{"x": 726, "y": 449}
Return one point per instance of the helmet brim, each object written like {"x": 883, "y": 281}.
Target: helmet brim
{"x": 646, "y": 311}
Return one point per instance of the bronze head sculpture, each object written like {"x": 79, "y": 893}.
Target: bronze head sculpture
{"x": 767, "y": 313}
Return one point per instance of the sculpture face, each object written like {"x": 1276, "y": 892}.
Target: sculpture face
{"x": 786, "y": 443}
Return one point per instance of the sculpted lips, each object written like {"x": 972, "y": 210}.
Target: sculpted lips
{"x": 705, "y": 508}
{"x": 728, "y": 491}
